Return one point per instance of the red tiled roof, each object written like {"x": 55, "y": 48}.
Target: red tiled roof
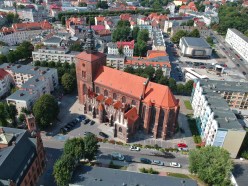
{"x": 131, "y": 115}
{"x": 155, "y": 53}
{"x": 98, "y": 27}
{"x": 3, "y": 73}
{"x": 100, "y": 19}
{"x": 104, "y": 32}
{"x": 126, "y": 43}
{"x": 31, "y": 26}
{"x": 90, "y": 57}
{"x": 160, "y": 95}
{"x": 120, "y": 81}
{"x": 125, "y": 17}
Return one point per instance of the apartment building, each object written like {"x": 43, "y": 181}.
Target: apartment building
{"x": 216, "y": 122}
{"x": 158, "y": 42}
{"x": 20, "y": 32}
{"x": 175, "y": 20}
{"x": 116, "y": 61}
{"x": 5, "y": 81}
{"x": 61, "y": 55}
{"x": 238, "y": 42}
{"x": 32, "y": 82}
{"x": 127, "y": 48}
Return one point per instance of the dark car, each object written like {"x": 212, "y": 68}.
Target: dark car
{"x": 70, "y": 125}
{"x": 238, "y": 65}
{"x": 103, "y": 134}
{"x": 86, "y": 121}
{"x": 145, "y": 160}
{"x": 244, "y": 73}
{"x": 92, "y": 122}
{"x": 88, "y": 133}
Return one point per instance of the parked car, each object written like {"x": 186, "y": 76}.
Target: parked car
{"x": 244, "y": 73}
{"x": 183, "y": 149}
{"x": 174, "y": 164}
{"x": 88, "y": 133}
{"x": 145, "y": 160}
{"x": 134, "y": 148}
{"x": 103, "y": 134}
{"x": 81, "y": 118}
{"x": 238, "y": 65}
{"x": 157, "y": 162}
{"x": 92, "y": 122}
{"x": 182, "y": 145}
{"x": 117, "y": 156}
{"x": 85, "y": 121}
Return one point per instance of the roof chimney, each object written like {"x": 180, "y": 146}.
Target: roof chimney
{"x": 144, "y": 88}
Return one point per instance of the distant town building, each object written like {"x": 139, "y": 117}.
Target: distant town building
{"x": 22, "y": 155}
{"x": 61, "y": 55}
{"x": 238, "y": 42}
{"x": 158, "y": 42}
{"x": 216, "y": 122}
{"x": 115, "y": 61}
{"x": 174, "y": 20}
{"x": 5, "y": 82}
{"x": 20, "y": 32}
{"x": 127, "y": 48}
{"x": 32, "y": 82}
{"x": 195, "y": 47}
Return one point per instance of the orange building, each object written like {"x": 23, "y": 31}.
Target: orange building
{"x": 126, "y": 102}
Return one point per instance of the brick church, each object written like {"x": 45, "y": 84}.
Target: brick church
{"x": 126, "y": 102}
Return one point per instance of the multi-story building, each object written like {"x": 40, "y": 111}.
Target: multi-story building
{"x": 218, "y": 125}
{"x": 195, "y": 47}
{"x": 5, "y": 81}
{"x": 158, "y": 42}
{"x": 32, "y": 82}
{"x": 238, "y": 42}
{"x": 124, "y": 101}
{"x": 127, "y": 48}
{"x": 175, "y": 20}
{"x": 22, "y": 155}
{"x": 116, "y": 61}
{"x": 54, "y": 54}
{"x": 20, "y": 32}
{"x": 203, "y": 30}
{"x": 155, "y": 58}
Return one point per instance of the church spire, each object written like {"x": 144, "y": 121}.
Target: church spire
{"x": 90, "y": 41}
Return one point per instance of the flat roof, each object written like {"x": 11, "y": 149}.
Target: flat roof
{"x": 99, "y": 176}
{"x": 240, "y": 173}
{"x": 238, "y": 33}
{"x": 195, "y": 42}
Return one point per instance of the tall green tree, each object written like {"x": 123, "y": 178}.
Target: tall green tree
{"x": 149, "y": 71}
{"x": 143, "y": 35}
{"x": 142, "y": 48}
{"x": 135, "y": 33}
{"x": 178, "y": 35}
{"x": 45, "y": 110}
{"x": 3, "y": 115}
{"x": 158, "y": 75}
{"x": 129, "y": 70}
{"x": 194, "y": 33}
{"x": 91, "y": 146}
{"x": 188, "y": 87}
{"x": 68, "y": 82}
{"x": 180, "y": 89}
{"x": 76, "y": 47}
{"x": 172, "y": 84}
{"x": 212, "y": 165}
{"x": 75, "y": 147}
{"x": 164, "y": 81}
{"x": 62, "y": 169}
{"x": 25, "y": 49}
{"x": 3, "y": 59}
{"x": 12, "y": 112}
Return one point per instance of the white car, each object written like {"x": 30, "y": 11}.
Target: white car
{"x": 174, "y": 164}
{"x": 133, "y": 148}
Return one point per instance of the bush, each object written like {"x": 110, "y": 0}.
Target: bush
{"x": 104, "y": 140}
{"x": 150, "y": 170}
{"x": 138, "y": 145}
{"x": 143, "y": 170}
{"x": 157, "y": 147}
{"x": 244, "y": 155}
{"x": 119, "y": 143}
{"x": 148, "y": 146}
{"x": 99, "y": 139}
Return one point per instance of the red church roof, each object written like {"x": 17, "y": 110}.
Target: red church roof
{"x": 90, "y": 57}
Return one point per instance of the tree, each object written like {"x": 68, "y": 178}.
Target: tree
{"x": 149, "y": 71}
{"x": 210, "y": 40}
{"x": 135, "y": 33}
{"x": 63, "y": 20}
{"x": 123, "y": 23}
{"x": 82, "y": 4}
{"x": 3, "y": 59}
{"x": 194, "y": 33}
{"x": 76, "y": 47}
{"x": 102, "y": 4}
{"x": 75, "y": 147}
{"x": 120, "y": 50}
{"x": 180, "y": 88}
{"x": 37, "y": 63}
{"x": 3, "y": 115}
{"x": 178, "y": 35}
{"x": 51, "y": 64}
{"x": 91, "y": 146}
{"x": 45, "y": 110}
{"x": 25, "y": 49}
{"x": 188, "y": 87}
{"x": 21, "y": 117}
{"x": 212, "y": 165}
{"x": 164, "y": 81}
{"x": 143, "y": 35}
{"x": 246, "y": 33}
{"x": 129, "y": 70}
{"x": 190, "y": 23}
{"x": 63, "y": 168}
{"x": 172, "y": 84}
{"x": 68, "y": 82}
{"x": 158, "y": 75}
{"x": 142, "y": 48}
{"x": 12, "y": 112}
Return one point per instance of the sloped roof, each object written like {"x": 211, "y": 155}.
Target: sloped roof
{"x": 132, "y": 114}
{"x": 32, "y": 26}
{"x": 120, "y": 81}
{"x": 160, "y": 95}
{"x": 3, "y": 73}
{"x": 126, "y": 43}
{"x": 90, "y": 57}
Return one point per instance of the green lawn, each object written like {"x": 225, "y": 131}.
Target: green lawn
{"x": 178, "y": 175}
{"x": 187, "y": 104}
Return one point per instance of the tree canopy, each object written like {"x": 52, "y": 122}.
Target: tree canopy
{"x": 182, "y": 33}
{"x": 212, "y": 165}
{"x": 68, "y": 82}
{"x": 122, "y": 31}
{"x": 45, "y": 110}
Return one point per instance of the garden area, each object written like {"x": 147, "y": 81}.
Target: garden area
{"x": 187, "y": 104}
{"x": 194, "y": 130}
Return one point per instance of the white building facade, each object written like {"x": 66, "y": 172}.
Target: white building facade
{"x": 238, "y": 42}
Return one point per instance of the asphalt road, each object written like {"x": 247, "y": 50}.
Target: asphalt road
{"x": 231, "y": 54}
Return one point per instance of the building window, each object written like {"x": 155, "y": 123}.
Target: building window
{"x": 120, "y": 129}
{"x": 97, "y": 90}
{"x": 123, "y": 99}
{"x": 83, "y": 64}
{"x": 84, "y": 89}
{"x": 83, "y": 74}
{"x": 105, "y": 93}
{"x": 133, "y": 103}
{"x": 115, "y": 96}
